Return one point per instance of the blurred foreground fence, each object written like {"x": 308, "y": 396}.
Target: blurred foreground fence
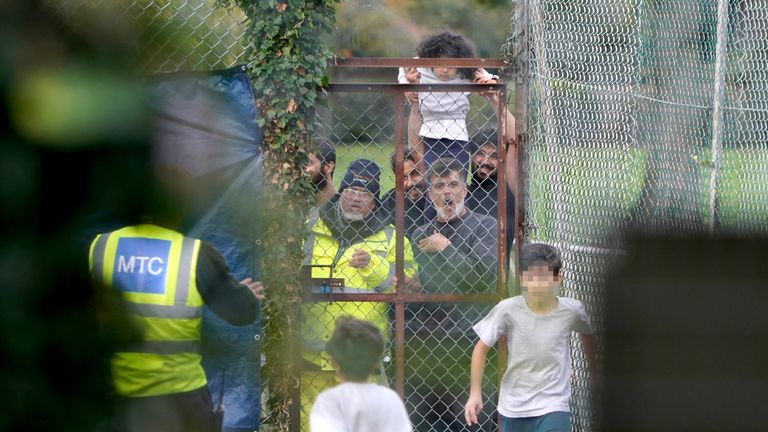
{"x": 644, "y": 114}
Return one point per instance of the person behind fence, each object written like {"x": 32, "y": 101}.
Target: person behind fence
{"x": 357, "y": 405}
{"x": 349, "y": 236}
{"x": 483, "y": 191}
{"x": 163, "y": 279}
{"x": 415, "y": 197}
{"x": 457, "y": 254}
{"x": 536, "y": 387}
{"x": 320, "y": 167}
{"x": 439, "y": 117}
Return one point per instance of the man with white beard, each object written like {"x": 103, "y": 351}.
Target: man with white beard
{"x": 349, "y": 235}
{"x": 457, "y": 254}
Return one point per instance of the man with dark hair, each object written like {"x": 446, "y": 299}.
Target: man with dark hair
{"x": 415, "y": 198}
{"x": 457, "y": 251}
{"x": 350, "y": 237}
{"x": 356, "y": 405}
{"x": 320, "y": 167}
{"x": 483, "y": 191}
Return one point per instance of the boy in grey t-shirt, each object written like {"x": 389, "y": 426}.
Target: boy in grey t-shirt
{"x": 536, "y": 387}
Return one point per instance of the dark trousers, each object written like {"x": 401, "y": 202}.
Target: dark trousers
{"x": 179, "y": 412}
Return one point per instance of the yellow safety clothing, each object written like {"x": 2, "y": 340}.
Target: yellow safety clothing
{"x": 153, "y": 269}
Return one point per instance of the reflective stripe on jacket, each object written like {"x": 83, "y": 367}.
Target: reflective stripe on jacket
{"x": 154, "y": 270}
{"x": 321, "y": 248}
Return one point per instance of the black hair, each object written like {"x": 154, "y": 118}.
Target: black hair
{"x": 410, "y": 155}
{"x": 443, "y": 167}
{"x": 325, "y": 151}
{"x": 481, "y": 138}
{"x": 540, "y": 254}
{"x": 356, "y": 346}
{"x": 447, "y": 45}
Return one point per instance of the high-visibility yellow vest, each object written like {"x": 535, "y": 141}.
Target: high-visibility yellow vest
{"x": 153, "y": 269}
{"x": 322, "y": 249}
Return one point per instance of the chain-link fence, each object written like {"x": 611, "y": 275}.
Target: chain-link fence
{"x": 648, "y": 116}
{"x": 446, "y": 268}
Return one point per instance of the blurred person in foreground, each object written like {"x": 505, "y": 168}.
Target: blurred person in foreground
{"x": 357, "y": 405}
{"x": 163, "y": 279}
{"x": 349, "y": 238}
{"x": 536, "y": 387}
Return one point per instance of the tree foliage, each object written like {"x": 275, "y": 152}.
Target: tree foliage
{"x": 287, "y": 64}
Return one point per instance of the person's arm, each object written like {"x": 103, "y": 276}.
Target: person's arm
{"x": 589, "y": 345}
{"x": 234, "y": 302}
{"x": 475, "y": 402}
{"x": 511, "y": 139}
{"x": 414, "y": 139}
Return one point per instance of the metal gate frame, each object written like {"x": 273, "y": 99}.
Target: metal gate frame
{"x": 400, "y": 297}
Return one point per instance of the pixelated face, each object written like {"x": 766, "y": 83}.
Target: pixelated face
{"x": 445, "y": 73}
{"x": 356, "y": 203}
{"x": 447, "y": 194}
{"x": 413, "y": 181}
{"x": 485, "y": 162}
{"x": 539, "y": 280}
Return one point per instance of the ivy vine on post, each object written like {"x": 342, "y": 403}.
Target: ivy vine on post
{"x": 287, "y": 64}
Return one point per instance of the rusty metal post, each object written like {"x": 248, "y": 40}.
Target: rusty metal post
{"x": 399, "y": 247}
{"x": 501, "y": 190}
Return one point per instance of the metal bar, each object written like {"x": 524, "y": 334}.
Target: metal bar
{"x": 382, "y": 62}
{"x": 405, "y": 298}
{"x": 399, "y": 246}
{"x": 501, "y": 190}
{"x": 717, "y": 111}
{"x": 399, "y": 88}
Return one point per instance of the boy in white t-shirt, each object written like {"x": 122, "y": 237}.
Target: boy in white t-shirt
{"x": 536, "y": 387}
{"x": 357, "y": 405}
{"x": 442, "y": 127}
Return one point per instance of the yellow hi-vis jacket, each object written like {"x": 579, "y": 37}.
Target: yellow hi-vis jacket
{"x": 153, "y": 269}
{"x": 321, "y": 248}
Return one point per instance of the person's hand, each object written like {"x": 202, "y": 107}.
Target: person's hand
{"x": 434, "y": 243}
{"x": 256, "y": 288}
{"x": 360, "y": 259}
{"x": 414, "y": 77}
{"x": 483, "y": 77}
{"x": 412, "y": 285}
{"x": 472, "y": 408}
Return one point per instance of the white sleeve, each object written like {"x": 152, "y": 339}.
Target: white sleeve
{"x": 492, "y": 327}
{"x": 581, "y": 322}
{"x": 326, "y": 416}
{"x": 400, "y": 421}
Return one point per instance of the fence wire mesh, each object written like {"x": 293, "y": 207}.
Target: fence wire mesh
{"x": 173, "y": 35}
{"x": 620, "y": 130}
{"x": 437, "y": 335}
{"x": 641, "y": 115}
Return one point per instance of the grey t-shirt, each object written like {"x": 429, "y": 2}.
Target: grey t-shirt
{"x": 538, "y": 376}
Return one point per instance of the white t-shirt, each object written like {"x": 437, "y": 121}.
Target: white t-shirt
{"x": 359, "y": 407}
{"x": 538, "y": 376}
{"x": 443, "y": 115}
